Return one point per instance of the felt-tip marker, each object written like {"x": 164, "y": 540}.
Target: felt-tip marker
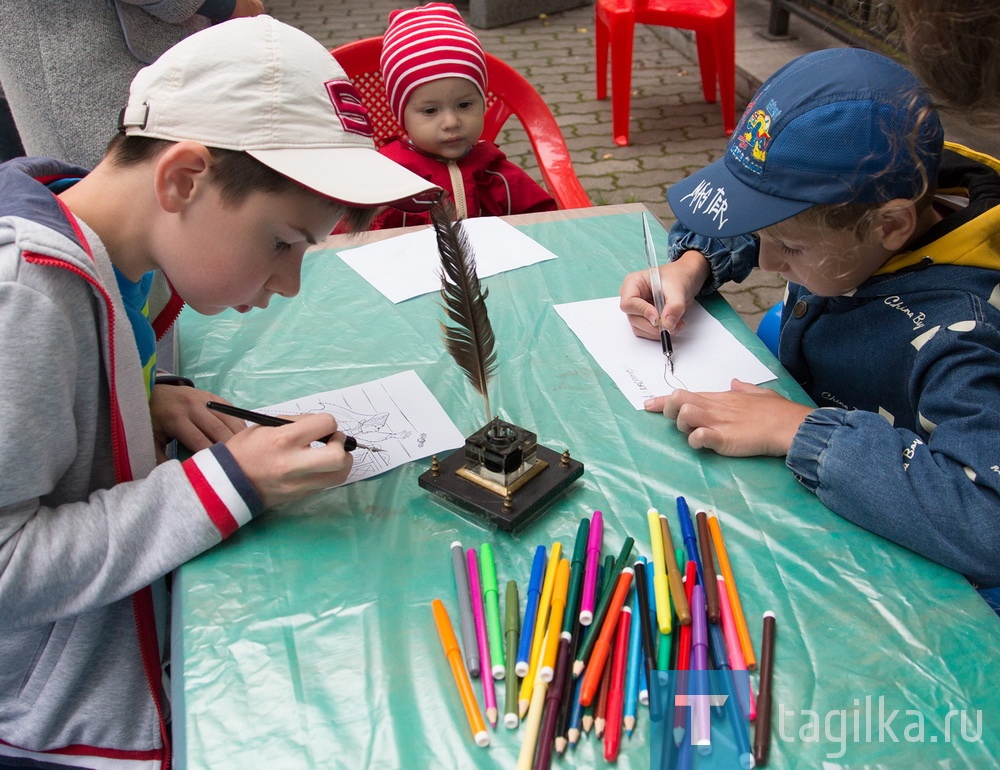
{"x": 350, "y": 443}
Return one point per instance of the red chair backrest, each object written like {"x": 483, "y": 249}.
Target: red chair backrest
{"x": 509, "y": 94}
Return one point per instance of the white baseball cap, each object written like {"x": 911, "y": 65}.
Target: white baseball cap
{"x": 268, "y": 89}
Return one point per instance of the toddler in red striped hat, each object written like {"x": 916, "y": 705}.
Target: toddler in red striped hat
{"x": 434, "y": 70}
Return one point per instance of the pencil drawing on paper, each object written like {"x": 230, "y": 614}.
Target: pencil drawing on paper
{"x": 395, "y": 414}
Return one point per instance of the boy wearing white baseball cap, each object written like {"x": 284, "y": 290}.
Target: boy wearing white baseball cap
{"x": 239, "y": 147}
{"x": 837, "y": 179}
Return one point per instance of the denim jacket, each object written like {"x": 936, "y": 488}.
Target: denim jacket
{"x": 905, "y": 371}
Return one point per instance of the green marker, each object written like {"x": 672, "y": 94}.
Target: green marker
{"x": 512, "y": 632}
{"x": 491, "y": 597}
{"x": 576, "y": 577}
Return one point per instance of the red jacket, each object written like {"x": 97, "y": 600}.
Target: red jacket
{"x": 492, "y": 185}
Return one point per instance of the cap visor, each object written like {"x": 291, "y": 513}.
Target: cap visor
{"x": 357, "y": 176}
{"x": 715, "y": 203}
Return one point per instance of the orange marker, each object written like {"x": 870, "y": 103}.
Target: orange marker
{"x": 454, "y": 656}
{"x": 746, "y": 644}
{"x": 599, "y": 656}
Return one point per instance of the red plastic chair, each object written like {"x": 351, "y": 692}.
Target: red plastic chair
{"x": 714, "y": 25}
{"x": 509, "y": 94}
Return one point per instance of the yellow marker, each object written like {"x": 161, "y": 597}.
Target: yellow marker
{"x": 547, "y": 668}
{"x": 541, "y": 622}
{"x": 734, "y": 598}
{"x": 661, "y": 588}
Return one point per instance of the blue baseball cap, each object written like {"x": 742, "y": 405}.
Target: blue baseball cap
{"x": 832, "y": 126}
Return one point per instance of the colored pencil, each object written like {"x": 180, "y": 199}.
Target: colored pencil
{"x": 575, "y": 716}
{"x": 601, "y": 700}
{"x": 553, "y": 699}
{"x": 532, "y": 725}
{"x": 454, "y": 655}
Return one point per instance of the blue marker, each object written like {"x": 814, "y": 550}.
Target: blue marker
{"x": 530, "y": 612}
{"x": 717, "y": 647}
{"x": 635, "y": 665}
{"x": 687, "y": 532}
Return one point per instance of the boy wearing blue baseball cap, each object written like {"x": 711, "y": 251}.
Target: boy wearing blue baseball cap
{"x": 837, "y": 179}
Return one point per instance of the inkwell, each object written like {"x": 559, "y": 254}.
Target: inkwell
{"x": 502, "y": 474}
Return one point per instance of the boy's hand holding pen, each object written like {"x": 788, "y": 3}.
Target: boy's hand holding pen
{"x": 350, "y": 443}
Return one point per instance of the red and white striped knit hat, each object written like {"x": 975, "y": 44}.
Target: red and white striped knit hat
{"x": 428, "y": 43}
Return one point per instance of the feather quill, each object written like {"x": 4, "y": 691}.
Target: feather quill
{"x": 470, "y": 340}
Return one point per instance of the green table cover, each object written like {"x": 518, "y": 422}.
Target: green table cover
{"x": 306, "y": 640}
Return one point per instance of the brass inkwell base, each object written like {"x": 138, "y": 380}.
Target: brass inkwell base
{"x": 502, "y": 475}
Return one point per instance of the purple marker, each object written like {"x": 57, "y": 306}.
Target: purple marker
{"x": 476, "y": 592}
{"x": 701, "y": 716}
{"x": 594, "y": 541}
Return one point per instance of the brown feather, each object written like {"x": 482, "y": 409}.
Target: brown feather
{"x": 470, "y": 341}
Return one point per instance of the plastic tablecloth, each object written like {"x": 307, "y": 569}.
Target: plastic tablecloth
{"x": 306, "y": 640}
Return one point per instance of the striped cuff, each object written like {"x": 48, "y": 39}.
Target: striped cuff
{"x": 227, "y": 494}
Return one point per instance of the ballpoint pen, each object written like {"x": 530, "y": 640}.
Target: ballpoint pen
{"x": 654, "y": 283}
{"x": 350, "y": 443}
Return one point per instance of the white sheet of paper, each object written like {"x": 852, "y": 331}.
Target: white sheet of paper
{"x": 706, "y": 355}
{"x": 408, "y": 265}
{"x": 397, "y": 414}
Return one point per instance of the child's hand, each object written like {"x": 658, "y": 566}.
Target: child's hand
{"x": 742, "y": 422}
{"x": 681, "y": 280}
{"x": 179, "y": 412}
{"x": 281, "y": 464}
